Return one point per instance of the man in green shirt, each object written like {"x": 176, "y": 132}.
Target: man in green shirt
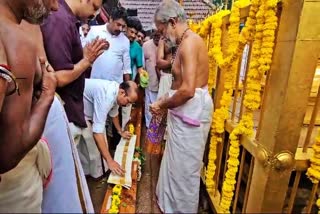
{"x": 136, "y": 52}
{"x": 136, "y": 56}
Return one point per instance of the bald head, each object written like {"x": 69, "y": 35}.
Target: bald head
{"x": 128, "y": 93}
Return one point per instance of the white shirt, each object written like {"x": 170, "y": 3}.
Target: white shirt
{"x": 114, "y": 62}
{"x": 100, "y": 99}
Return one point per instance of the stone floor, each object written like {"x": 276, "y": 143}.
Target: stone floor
{"x": 146, "y": 202}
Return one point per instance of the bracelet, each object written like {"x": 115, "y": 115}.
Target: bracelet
{"x": 8, "y": 75}
{"x": 5, "y": 73}
{"x": 5, "y": 76}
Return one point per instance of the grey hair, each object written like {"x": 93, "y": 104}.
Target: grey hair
{"x": 170, "y": 9}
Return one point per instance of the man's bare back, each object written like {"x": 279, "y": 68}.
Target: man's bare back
{"x": 199, "y": 60}
{"x": 22, "y": 120}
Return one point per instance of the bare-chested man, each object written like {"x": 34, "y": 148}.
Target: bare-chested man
{"x": 164, "y": 57}
{"x": 24, "y": 160}
{"x": 189, "y": 117}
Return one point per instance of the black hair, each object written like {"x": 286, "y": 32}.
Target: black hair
{"x": 119, "y": 13}
{"x": 126, "y": 87}
{"x": 143, "y": 32}
{"x": 134, "y": 23}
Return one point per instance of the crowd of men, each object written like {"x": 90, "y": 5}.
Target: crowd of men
{"x": 64, "y": 88}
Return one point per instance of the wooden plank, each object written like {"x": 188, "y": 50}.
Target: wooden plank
{"x": 292, "y": 71}
{"x": 249, "y": 143}
{"x": 128, "y": 196}
{"x": 107, "y": 196}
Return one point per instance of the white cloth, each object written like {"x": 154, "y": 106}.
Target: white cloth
{"x": 244, "y": 62}
{"x": 124, "y": 156}
{"x": 179, "y": 177}
{"x": 150, "y": 97}
{"x": 164, "y": 88}
{"x": 21, "y": 188}
{"x": 63, "y": 195}
{"x": 115, "y": 61}
{"x": 100, "y": 99}
{"x": 164, "y": 84}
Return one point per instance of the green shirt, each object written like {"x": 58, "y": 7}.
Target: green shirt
{"x": 136, "y": 56}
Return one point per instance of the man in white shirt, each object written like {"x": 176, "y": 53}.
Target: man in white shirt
{"x": 103, "y": 97}
{"x": 84, "y": 30}
{"x": 113, "y": 64}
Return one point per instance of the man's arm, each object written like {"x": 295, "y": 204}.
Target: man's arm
{"x": 22, "y": 127}
{"x": 3, "y": 82}
{"x": 101, "y": 108}
{"x": 139, "y": 60}
{"x": 162, "y": 63}
{"x": 188, "y": 58}
{"x": 116, "y": 123}
{"x": 102, "y": 144}
{"x": 3, "y": 90}
{"x": 61, "y": 61}
{"x": 126, "y": 62}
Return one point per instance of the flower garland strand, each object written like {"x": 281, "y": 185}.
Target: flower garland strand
{"x": 115, "y": 199}
{"x": 261, "y": 60}
{"x": 313, "y": 171}
{"x": 229, "y": 68}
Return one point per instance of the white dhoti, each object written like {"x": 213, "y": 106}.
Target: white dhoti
{"x": 150, "y": 97}
{"x": 21, "y": 188}
{"x": 179, "y": 176}
{"x": 164, "y": 84}
{"x": 68, "y": 190}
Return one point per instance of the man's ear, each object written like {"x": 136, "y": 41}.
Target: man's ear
{"x": 121, "y": 91}
{"x": 172, "y": 21}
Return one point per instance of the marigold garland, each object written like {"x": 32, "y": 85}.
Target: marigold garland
{"x": 313, "y": 171}
{"x": 229, "y": 65}
{"x": 260, "y": 26}
{"x": 261, "y": 59}
{"x": 115, "y": 199}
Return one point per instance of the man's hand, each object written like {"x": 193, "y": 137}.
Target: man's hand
{"x": 94, "y": 49}
{"x": 155, "y": 108}
{"x": 126, "y": 135}
{"x": 115, "y": 168}
{"x": 49, "y": 81}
